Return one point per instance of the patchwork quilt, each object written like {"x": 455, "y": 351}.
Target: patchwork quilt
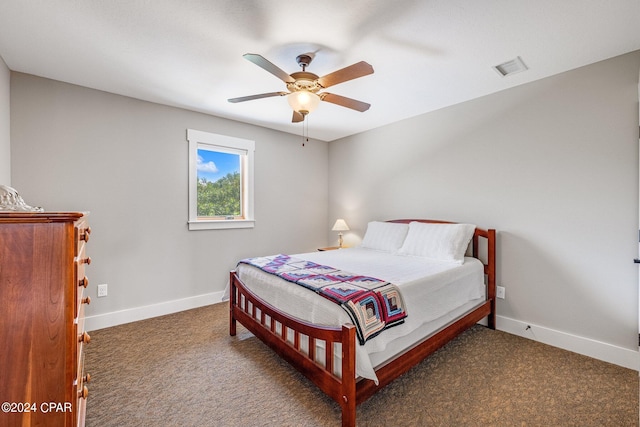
{"x": 372, "y": 304}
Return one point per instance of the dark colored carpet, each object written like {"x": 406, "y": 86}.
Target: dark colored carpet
{"x": 185, "y": 370}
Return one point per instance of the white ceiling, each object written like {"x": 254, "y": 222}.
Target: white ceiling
{"x": 427, "y": 54}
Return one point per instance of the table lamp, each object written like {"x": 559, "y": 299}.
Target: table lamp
{"x": 340, "y": 226}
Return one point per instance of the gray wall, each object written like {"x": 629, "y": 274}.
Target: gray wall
{"x": 552, "y": 165}
{"x": 5, "y": 136}
{"x": 126, "y": 161}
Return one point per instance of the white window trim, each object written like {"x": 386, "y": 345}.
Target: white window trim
{"x": 197, "y": 138}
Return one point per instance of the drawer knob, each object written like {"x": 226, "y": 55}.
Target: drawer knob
{"x": 84, "y": 393}
{"x": 84, "y": 282}
{"x": 86, "y": 260}
{"x": 85, "y": 234}
{"x": 85, "y": 338}
{"x": 86, "y": 378}
{"x": 86, "y": 300}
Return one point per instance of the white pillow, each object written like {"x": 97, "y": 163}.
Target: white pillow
{"x": 438, "y": 242}
{"x": 384, "y": 236}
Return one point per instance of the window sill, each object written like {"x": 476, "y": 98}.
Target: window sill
{"x": 221, "y": 224}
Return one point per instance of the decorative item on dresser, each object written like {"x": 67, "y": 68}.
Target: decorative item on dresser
{"x": 42, "y": 265}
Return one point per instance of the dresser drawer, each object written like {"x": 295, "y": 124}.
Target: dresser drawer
{"x": 80, "y": 279}
{"x": 82, "y": 235}
{"x": 82, "y": 390}
{"x": 83, "y": 301}
{"x": 83, "y": 339}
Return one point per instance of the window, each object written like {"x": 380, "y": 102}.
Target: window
{"x": 220, "y": 181}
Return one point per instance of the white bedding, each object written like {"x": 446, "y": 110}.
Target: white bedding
{"x": 430, "y": 290}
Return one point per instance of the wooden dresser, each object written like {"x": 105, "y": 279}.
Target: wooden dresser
{"x": 42, "y": 279}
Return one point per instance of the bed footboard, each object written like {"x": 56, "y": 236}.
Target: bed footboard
{"x": 296, "y": 341}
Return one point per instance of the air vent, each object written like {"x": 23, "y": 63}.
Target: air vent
{"x": 511, "y": 67}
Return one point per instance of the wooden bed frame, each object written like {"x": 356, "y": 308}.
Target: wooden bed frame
{"x": 285, "y": 334}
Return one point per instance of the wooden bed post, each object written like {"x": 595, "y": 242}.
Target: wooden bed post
{"x": 489, "y": 269}
{"x": 232, "y": 303}
{"x": 348, "y": 402}
{"x": 491, "y": 277}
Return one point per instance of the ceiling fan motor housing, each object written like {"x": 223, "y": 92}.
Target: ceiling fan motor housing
{"x": 304, "y": 81}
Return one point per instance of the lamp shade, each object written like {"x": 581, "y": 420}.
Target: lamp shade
{"x": 340, "y": 225}
{"x": 303, "y": 100}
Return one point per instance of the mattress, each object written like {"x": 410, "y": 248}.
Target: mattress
{"x": 433, "y": 292}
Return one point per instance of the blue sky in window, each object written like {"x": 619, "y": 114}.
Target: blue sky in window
{"x": 213, "y": 165}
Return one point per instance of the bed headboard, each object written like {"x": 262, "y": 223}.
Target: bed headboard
{"x": 483, "y": 247}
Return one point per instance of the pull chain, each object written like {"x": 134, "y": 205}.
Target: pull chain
{"x": 305, "y": 129}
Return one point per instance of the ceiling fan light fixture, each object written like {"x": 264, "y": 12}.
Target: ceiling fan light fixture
{"x": 303, "y": 100}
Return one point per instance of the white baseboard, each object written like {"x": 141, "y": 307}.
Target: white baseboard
{"x": 585, "y": 346}
{"x": 120, "y": 317}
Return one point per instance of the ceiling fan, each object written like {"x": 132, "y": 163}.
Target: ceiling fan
{"x": 304, "y": 87}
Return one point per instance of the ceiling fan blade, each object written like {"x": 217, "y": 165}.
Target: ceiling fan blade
{"x": 343, "y": 101}
{"x": 351, "y": 72}
{"x": 262, "y": 95}
{"x": 261, "y": 62}
{"x": 297, "y": 117}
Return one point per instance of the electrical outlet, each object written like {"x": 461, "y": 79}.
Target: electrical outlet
{"x": 500, "y": 292}
{"x": 102, "y": 290}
